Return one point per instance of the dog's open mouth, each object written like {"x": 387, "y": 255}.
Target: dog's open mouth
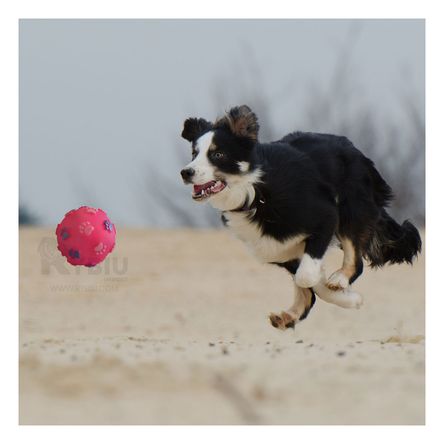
{"x": 207, "y": 189}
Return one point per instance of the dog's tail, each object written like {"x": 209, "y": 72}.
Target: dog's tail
{"x": 382, "y": 193}
{"x": 392, "y": 243}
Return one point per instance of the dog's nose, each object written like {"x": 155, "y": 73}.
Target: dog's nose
{"x": 187, "y": 173}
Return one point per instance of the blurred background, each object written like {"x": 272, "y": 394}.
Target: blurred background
{"x": 102, "y": 104}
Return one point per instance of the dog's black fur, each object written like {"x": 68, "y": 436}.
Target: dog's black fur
{"x": 333, "y": 186}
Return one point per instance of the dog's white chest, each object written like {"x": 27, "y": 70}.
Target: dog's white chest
{"x": 265, "y": 248}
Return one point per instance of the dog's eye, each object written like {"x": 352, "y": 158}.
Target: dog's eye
{"x": 193, "y": 154}
{"x": 218, "y": 155}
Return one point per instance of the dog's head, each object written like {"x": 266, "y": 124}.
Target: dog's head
{"x": 221, "y": 153}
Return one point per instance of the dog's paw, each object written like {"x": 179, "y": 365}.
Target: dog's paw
{"x": 308, "y": 276}
{"x": 354, "y": 300}
{"x": 282, "y": 321}
{"x": 309, "y": 272}
{"x": 337, "y": 281}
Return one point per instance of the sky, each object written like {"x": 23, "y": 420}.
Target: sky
{"x": 102, "y": 102}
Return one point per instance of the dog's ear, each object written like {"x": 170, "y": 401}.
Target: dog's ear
{"x": 193, "y": 128}
{"x": 241, "y": 121}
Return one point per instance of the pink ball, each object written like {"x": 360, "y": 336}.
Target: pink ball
{"x": 86, "y": 236}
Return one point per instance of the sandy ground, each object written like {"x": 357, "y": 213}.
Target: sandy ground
{"x": 173, "y": 329}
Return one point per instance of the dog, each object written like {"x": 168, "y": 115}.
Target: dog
{"x": 290, "y": 200}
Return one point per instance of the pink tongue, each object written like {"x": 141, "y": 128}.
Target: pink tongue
{"x": 218, "y": 187}
{"x": 199, "y": 188}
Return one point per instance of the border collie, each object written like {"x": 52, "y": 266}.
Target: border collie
{"x": 289, "y": 200}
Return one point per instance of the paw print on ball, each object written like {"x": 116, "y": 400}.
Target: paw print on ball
{"x": 108, "y": 225}
{"x": 86, "y": 228}
{"x": 64, "y": 234}
{"x": 75, "y": 254}
{"x": 100, "y": 249}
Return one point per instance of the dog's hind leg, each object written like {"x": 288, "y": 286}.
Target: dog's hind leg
{"x": 304, "y": 299}
{"x": 345, "y": 298}
{"x": 351, "y": 269}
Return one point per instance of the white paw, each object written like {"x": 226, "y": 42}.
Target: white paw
{"x": 337, "y": 281}
{"x": 353, "y": 299}
{"x": 309, "y": 272}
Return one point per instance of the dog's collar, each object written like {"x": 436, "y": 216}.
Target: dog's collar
{"x": 250, "y": 207}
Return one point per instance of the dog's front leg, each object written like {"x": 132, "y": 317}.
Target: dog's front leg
{"x": 304, "y": 299}
{"x": 310, "y": 269}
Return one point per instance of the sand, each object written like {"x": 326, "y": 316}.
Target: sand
{"x": 173, "y": 329}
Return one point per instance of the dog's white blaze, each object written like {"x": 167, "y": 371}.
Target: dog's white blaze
{"x": 204, "y": 171}
{"x": 265, "y": 248}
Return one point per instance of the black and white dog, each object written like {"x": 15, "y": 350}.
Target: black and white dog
{"x": 291, "y": 199}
